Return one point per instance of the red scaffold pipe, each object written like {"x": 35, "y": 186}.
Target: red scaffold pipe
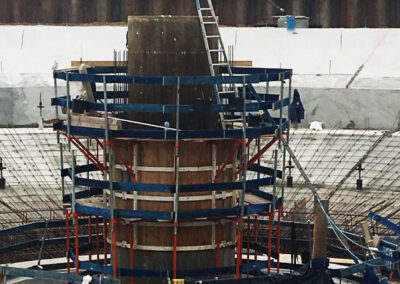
{"x": 278, "y": 244}
{"x": 114, "y": 244}
{"x": 85, "y": 151}
{"x": 257, "y": 156}
{"x": 67, "y": 214}
{"x": 228, "y": 159}
{"x": 105, "y": 239}
{"x": 239, "y": 248}
{"x": 270, "y": 216}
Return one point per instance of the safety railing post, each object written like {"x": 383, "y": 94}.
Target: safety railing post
{"x": 55, "y": 91}
{"x": 290, "y": 101}
{"x": 248, "y": 242}
{"x": 274, "y": 180}
{"x": 90, "y": 237}
{"x": 270, "y": 219}
{"x": 281, "y": 75}
{"x": 97, "y": 239}
{"x": 68, "y": 111}
{"x": 255, "y": 237}
{"x": 111, "y": 161}
{"x": 73, "y": 199}
{"x": 288, "y": 136}
{"x": 131, "y": 251}
{"x": 278, "y": 240}
{"x": 62, "y": 167}
{"x": 176, "y": 194}
{"x": 244, "y": 150}
{"x": 76, "y": 243}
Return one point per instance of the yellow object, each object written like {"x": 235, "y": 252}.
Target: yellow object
{"x": 178, "y": 281}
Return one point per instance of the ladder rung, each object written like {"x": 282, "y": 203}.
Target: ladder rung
{"x": 210, "y": 19}
{"x": 234, "y": 120}
{"x": 226, "y": 92}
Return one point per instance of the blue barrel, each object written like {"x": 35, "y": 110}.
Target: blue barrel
{"x": 290, "y": 23}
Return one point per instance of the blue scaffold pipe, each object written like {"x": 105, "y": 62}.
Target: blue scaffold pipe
{"x": 251, "y": 77}
{"x": 384, "y": 221}
{"x": 252, "y": 132}
{"x": 168, "y": 108}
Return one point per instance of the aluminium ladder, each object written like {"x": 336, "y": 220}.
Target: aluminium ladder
{"x": 211, "y": 20}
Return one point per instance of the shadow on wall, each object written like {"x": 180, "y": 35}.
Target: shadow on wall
{"x": 335, "y": 108}
{"x": 18, "y": 106}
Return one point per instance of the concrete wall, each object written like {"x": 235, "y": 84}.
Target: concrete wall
{"x": 372, "y": 100}
{"x": 351, "y": 108}
{"x": 323, "y": 13}
{"x": 336, "y": 108}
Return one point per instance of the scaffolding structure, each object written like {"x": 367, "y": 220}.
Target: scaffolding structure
{"x": 302, "y": 139}
{"x": 246, "y": 212}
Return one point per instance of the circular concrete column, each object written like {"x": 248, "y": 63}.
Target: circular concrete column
{"x": 173, "y": 46}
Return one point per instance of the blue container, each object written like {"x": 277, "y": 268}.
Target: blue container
{"x": 290, "y": 23}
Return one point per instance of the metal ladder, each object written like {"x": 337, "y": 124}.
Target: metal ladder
{"x": 210, "y": 19}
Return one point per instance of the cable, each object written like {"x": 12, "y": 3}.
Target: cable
{"x": 330, "y": 221}
{"x": 276, "y": 6}
{"x": 143, "y": 123}
{"x": 335, "y": 229}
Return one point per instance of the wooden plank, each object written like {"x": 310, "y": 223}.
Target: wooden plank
{"x": 320, "y": 229}
{"x": 241, "y": 63}
{"x": 102, "y": 63}
{"x": 105, "y": 63}
{"x": 369, "y": 241}
{"x": 92, "y": 121}
{"x": 253, "y": 199}
{"x": 367, "y": 235}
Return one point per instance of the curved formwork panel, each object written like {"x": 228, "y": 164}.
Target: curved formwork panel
{"x": 197, "y": 240}
{"x": 169, "y": 46}
{"x": 173, "y": 46}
